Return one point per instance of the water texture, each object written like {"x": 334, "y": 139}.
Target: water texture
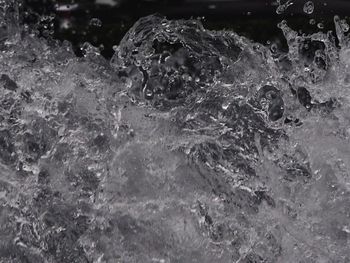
{"x": 188, "y": 146}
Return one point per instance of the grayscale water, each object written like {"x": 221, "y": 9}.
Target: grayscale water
{"x": 188, "y": 146}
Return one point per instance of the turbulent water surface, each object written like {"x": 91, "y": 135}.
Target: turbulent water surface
{"x": 188, "y": 146}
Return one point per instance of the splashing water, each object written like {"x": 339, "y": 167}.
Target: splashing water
{"x": 190, "y": 145}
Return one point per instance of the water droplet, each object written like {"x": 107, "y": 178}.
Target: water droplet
{"x": 320, "y": 25}
{"x": 88, "y": 49}
{"x": 309, "y": 7}
{"x": 95, "y": 22}
{"x": 273, "y": 48}
{"x": 344, "y": 26}
{"x": 282, "y": 24}
{"x": 186, "y": 77}
{"x": 312, "y": 21}
{"x": 283, "y": 7}
{"x": 149, "y": 94}
{"x": 280, "y": 9}
{"x": 225, "y": 105}
{"x": 66, "y": 8}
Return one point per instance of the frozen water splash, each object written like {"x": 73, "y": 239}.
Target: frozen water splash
{"x": 189, "y": 146}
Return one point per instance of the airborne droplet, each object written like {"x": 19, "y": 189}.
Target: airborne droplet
{"x": 283, "y": 7}
{"x": 280, "y": 9}
{"x": 309, "y": 7}
{"x": 95, "y": 22}
{"x": 320, "y": 25}
{"x": 344, "y": 26}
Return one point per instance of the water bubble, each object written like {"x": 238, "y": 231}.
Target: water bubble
{"x": 309, "y": 7}
{"x": 273, "y": 48}
{"x": 312, "y": 21}
{"x": 95, "y": 22}
{"x": 320, "y": 25}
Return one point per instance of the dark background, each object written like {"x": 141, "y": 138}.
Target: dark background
{"x": 255, "y": 19}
